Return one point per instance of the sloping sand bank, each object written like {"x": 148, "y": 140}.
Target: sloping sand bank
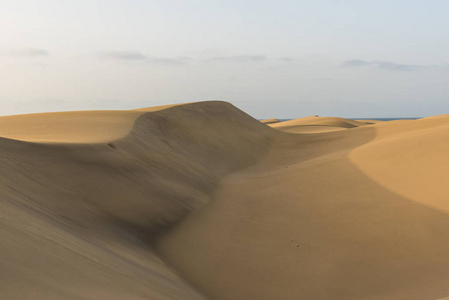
{"x": 202, "y": 201}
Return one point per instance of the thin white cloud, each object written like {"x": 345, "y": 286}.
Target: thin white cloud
{"x": 27, "y": 52}
{"x": 286, "y": 59}
{"x": 399, "y": 67}
{"x": 387, "y": 65}
{"x": 168, "y": 61}
{"x": 122, "y": 55}
{"x": 239, "y": 58}
{"x": 139, "y": 56}
{"x": 356, "y": 63}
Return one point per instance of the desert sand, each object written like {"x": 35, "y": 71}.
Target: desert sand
{"x": 201, "y": 201}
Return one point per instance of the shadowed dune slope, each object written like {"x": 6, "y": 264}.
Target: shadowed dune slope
{"x": 78, "y": 219}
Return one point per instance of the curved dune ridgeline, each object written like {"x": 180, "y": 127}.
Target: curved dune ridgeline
{"x": 201, "y": 201}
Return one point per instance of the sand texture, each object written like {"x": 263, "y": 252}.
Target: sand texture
{"x": 201, "y": 201}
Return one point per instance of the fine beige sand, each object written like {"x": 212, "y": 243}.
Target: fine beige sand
{"x": 201, "y": 201}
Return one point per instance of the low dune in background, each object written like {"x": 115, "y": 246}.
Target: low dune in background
{"x": 270, "y": 121}
{"x": 315, "y": 124}
{"x": 201, "y": 201}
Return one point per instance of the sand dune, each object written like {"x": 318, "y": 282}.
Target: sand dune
{"x": 73, "y": 127}
{"x": 315, "y": 124}
{"x": 69, "y": 127}
{"x": 369, "y": 122}
{"x": 201, "y": 201}
{"x": 270, "y": 121}
{"x": 78, "y": 219}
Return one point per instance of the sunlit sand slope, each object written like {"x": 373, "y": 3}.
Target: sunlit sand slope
{"x": 410, "y": 158}
{"x": 360, "y": 213}
{"x": 73, "y": 126}
{"x": 69, "y": 127}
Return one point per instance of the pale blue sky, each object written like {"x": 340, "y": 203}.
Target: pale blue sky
{"x": 281, "y": 58}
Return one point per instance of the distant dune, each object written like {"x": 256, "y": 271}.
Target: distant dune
{"x": 315, "y": 124}
{"x": 201, "y": 201}
{"x": 270, "y": 121}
